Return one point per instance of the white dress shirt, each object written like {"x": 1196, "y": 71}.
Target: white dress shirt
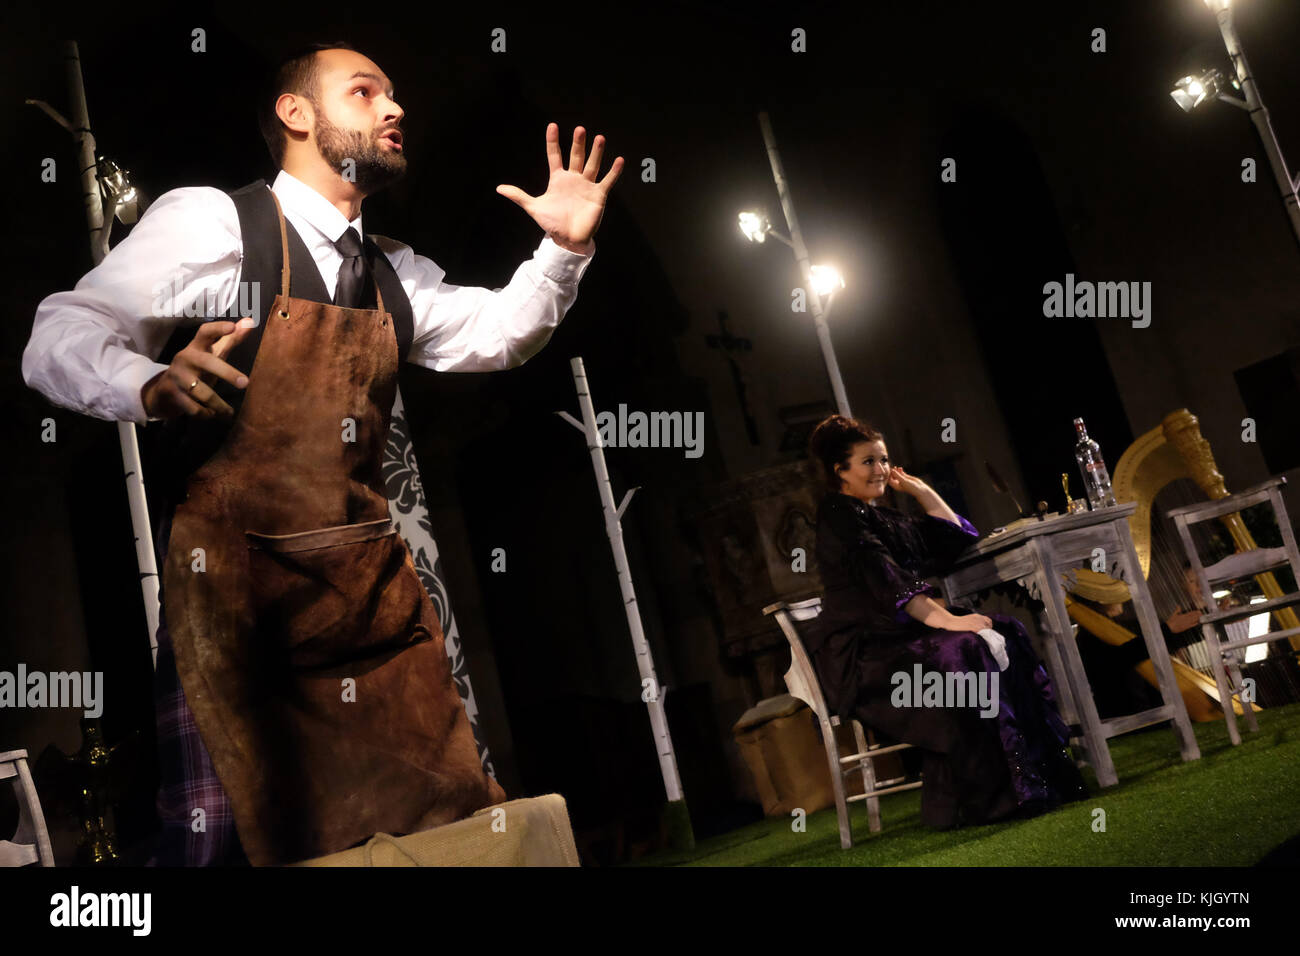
{"x": 93, "y": 349}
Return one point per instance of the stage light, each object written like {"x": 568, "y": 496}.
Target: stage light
{"x": 826, "y": 280}
{"x": 1194, "y": 90}
{"x": 1191, "y": 91}
{"x": 115, "y": 183}
{"x": 755, "y": 226}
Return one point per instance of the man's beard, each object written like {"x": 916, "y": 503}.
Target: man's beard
{"x": 357, "y": 157}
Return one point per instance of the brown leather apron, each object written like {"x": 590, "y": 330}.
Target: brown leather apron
{"x": 309, "y": 651}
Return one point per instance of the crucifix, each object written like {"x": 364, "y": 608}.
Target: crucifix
{"x": 731, "y": 344}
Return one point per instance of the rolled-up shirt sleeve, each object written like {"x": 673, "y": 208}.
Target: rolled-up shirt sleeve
{"x": 472, "y": 329}
{"x": 92, "y": 349}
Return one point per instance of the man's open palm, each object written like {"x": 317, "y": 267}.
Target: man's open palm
{"x": 571, "y": 208}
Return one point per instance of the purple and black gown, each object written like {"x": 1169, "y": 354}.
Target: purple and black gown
{"x": 873, "y": 560}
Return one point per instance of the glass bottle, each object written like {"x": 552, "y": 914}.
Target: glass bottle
{"x": 1096, "y": 477}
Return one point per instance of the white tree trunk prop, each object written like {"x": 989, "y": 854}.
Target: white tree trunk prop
{"x": 614, "y": 529}
{"x": 99, "y": 219}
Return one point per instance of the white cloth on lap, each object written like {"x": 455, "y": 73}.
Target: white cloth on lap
{"x": 997, "y": 647}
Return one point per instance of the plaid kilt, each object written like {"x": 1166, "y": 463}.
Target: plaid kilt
{"x": 186, "y": 778}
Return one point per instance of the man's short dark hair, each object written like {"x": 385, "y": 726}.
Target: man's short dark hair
{"x": 298, "y": 73}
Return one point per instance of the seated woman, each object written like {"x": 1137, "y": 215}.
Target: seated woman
{"x": 879, "y": 620}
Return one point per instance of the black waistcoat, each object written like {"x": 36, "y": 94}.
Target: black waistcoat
{"x": 174, "y": 449}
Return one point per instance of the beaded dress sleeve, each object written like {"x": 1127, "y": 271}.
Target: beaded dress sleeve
{"x": 876, "y": 553}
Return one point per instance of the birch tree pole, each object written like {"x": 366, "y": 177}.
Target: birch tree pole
{"x": 650, "y": 692}
{"x": 99, "y": 220}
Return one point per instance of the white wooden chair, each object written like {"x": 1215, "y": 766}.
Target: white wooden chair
{"x": 1223, "y": 653}
{"x": 31, "y": 841}
{"x": 802, "y": 682}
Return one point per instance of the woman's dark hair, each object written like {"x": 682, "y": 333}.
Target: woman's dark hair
{"x": 296, "y": 73}
{"x": 832, "y": 441}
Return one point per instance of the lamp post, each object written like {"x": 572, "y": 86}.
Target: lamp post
{"x": 1191, "y": 91}
{"x": 818, "y": 280}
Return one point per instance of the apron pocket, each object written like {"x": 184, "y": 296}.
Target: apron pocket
{"x": 334, "y": 596}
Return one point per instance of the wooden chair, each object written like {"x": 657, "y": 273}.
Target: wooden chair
{"x": 1250, "y": 563}
{"x": 31, "y": 841}
{"x": 802, "y": 682}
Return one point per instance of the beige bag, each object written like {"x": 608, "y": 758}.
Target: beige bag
{"x": 533, "y": 831}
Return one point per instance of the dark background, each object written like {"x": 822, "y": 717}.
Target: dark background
{"x": 1068, "y": 161}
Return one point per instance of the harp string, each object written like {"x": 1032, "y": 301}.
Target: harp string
{"x": 1165, "y": 579}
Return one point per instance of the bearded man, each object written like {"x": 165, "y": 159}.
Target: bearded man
{"x": 304, "y": 695}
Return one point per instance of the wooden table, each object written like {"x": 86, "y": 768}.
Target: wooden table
{"x": 1035, "y": 556}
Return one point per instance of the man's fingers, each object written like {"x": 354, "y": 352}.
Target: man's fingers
{"x": 615, "y": 169}
{"x": 210, "y": 400}
{"x": 183, "y": 399}
{"x": 228, "y": 342}
{"x": 202, "y": 399}
{"x": 553, "y": 147}
{"x": 183, "y": 390}
{"x": 593, "y": 161}
{"x": 209, "y": 332}
{"x": 187, "y": 405}
{"x": 578, "y": 150}
{"x": 516, "y": 195}
{"x": 207, "y": 362}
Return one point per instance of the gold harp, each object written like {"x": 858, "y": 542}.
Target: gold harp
{"x": 1174, "y": 450}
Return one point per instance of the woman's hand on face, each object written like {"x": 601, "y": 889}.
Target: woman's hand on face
{"x": 900, "y": 480}
{"x": 971, "y": 622}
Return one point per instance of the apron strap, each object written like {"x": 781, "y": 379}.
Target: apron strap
{"x": 176, "y": 447}
{"x": 284, "y": 258}
{"x": 284, "y": 251}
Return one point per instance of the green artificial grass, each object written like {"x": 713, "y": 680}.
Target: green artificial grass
{"x": 677, "y": 821}
{"x": 1230, "y": 808}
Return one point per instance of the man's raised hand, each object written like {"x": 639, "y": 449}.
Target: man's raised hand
{"x": 571, "y": 208}
{"x": 169, "y": 395}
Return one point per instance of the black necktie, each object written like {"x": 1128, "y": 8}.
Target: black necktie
{"x": 347, "y": 294}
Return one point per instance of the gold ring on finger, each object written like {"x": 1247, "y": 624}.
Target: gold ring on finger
{"x": 193, "y": 384}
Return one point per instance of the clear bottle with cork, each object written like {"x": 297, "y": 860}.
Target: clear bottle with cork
{"x": 1096, "y": 477}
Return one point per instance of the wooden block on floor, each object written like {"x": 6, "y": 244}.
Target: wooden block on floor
{"x": 779, "y": 743}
